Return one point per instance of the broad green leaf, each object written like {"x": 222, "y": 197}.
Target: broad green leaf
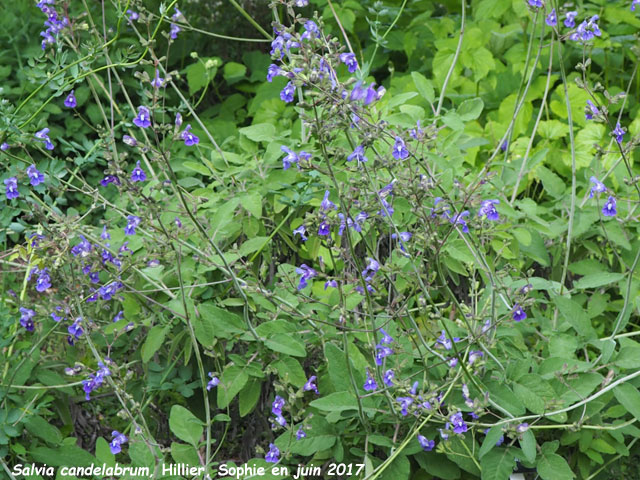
{"x": 215, "y": 322}
{"x": 498, "y": 464}
{"x": 253, "y": 245}
{"x": 337, "y": 367}
{"x": 628, "y": 357}
{"x": 261, "y": 132}
{"x": 249, "y": 396}
{"x": 289, "y": 370}
{"x": 470, "y": 109}
{"x": 629, "y": 397}
{"x": 490, "y": 440}
{"x": 233, "y": 72}
{"x": 182, "y": 453}
{"x": 553, "y": 467}
{"x": 185, "y": 425}
{"x": 575, "y": 315}
{"x": 398, "y": 469}
{"x": 141, "y": 455}
{"x": 287, "y": 344}
{"x": 528, "y": 446}
{"x": 438, "y": 466}
{"x": 424, "y": 86}
{"x": 103, "y": 452}
{"x": 598, "y": 280}
{"x": 233, "y": 380}
{"x": 63, "y": 456}
{"x": 38, "y": 426}
{"x": 154, "y": 340}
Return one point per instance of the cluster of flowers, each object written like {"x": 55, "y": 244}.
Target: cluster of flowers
{"x": 53, "y": 23}
{"x": 610, "y": 207}
{"x": 95, "y": 381}
{"x": 487, "y": 210}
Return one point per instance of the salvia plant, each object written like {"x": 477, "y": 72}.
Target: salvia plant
{"x": 398, "y": 241}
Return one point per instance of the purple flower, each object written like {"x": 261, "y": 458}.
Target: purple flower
{"x": 458, "y": 423}
{"x": 569, "y": 20}
{"x": 305, "y": 273}
{"x": 312, "y": 31}
{"x": 358, "y": 154}
{"x": 349, "y": 59}
{"x": 382, "y": 351}
{"x": 109, "y": 179}
{"x": 189, "y": 138}
{"x": 619, "y": 132}
{"x": 458, "y": 219}
{"x": 83, "y": 248}
{"x": 276, "y": 406}
{"x": 324, "y": 229}
{"x": 518, "y": 313}
{"x": 552, "y": 19}
{"x": 633, "y": 5}
{"x": 488, "y": 209}
{"x": 44, "y": 135}
{"x": 300, "y": 434}
{"x": 118, "y": 316}
{"x": 474, "y": 356}
{"x": 272, "y": 72}
{"x": 404, "y": 237}
{"x": 302, "y": 232}
{"x": 74, "y": 329}
{"x": 304, "y": 3}
{"x": 213, "y": 382}
{"x": 133, "y": 16}
{"x": 132, "y": 223}
{"x": 138, "y": 175}
{"x": 70, "y": 101}
{"x": 370, "y": 384}
{"x": 404, "y": 402}
{"x": 587, "y": 30}
{"x": 173, "y": 31}
{"x": 44, "y": 281}
{"x": 523, "y": 427}
{"x": 178, "y": 222}
{"x": 414, "y": 388}
{"x": 330, "y": 283}
{"x": 598, "y": 187}
{"x": 290, "y": 158}
{"x": 386, "y": 338}
{"x": 132, "y": 142}
{"x": 26, "y": 318}
{"x": 157, "y": 82}
{"x": 178, "y": 120}
{"x": 590, "y": 111}
{"x": 609, "y": 209}
{"x": 11, "y": 189}
{"x": 273, "y": 454}
{"x": 445, "y": 342}
{"x": 143, "y": 119}
{"x": 118, "y": 440}
{"x": 4, "y": 146}
{"x": 400, "y": 149}
{"x": 327, "y": 204}
{"x": 426, "y": 444}
{"x": 35, "y": 175}
{"x": 55, "y": 316}
{"x": 388, "y": 377}
{"x": 372, "y": 267}
{"x": 287, "y": 93}
{"x": 535, "y": 3}
{"x": 310, "y": 385}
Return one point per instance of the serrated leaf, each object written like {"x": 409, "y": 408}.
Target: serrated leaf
{"x": 287, "y": 344}
{"x": 182, "y": 453}
{"x": 289, "y": 370}
{"x": 554, "y": 467}
{"x": 252, "y": 245}
{"x": 498, "y": 464}
{"x": 261, "y": 132}
{"x": 470, "y": 109}
{"x": 38, "y": 426}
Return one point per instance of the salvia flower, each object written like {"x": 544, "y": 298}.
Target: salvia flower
{"x": 587, "y": 30}
{"x": 157, "y": 82}
{"x": 609, "y": 209}
{"x": 552, "y": 19}
{"x": 301, "y": 3}
{"x": 458, "y": 423}
{"x": 535, "y": 3}
{"x": 324, "y": 229}
{"x": 286, "y": 95}
{"x": 386, "y": 338}
{"x": 70, "y": 101}
{"x": 132, "y": 223}
{"x": 590, "y": 111}
{"x": 399, "y": 149}
{"x": 273, "y": 454}
{"x": 370, "y": 384}
{"x": 358, "y": 154}
{"x": 276, "y": 406}
{"x": 311, "y": 31}
{"x": 523, "y": 427}
{"x": 405, "y": 403}
{"x": 458, "y": 219}
{"x": 372, "y": 267}
{"x": 55, "y": 316}
{"x": 426, "y": 444}
{"x": 570, "y": 19}
{"x": 633, "y": 5}
{"x": 349, "y": 59}
{"x": 290, "y": 158}
{"x": 11, "y": 188}
{"x": 474, "y": 356}
{"x": 4, "y": 146}
{"x": 417, "y": 133}
{"x": 118, "y": 440}
{"x": 178, "y": 120}
{"x": 330, "y": 283}
{"x": 311, "y": 386}
{"x": 26, "y": 318}
{"x": 133, "y": 16}
{"x": 327, "y": 204}
{"x": 272, "y": 72}
{"x": 83, "y": 248}
{"x": 414, "y": 388}
{"x": 128, "y": 140}
{"x": 75, "y": 330}
{"x": 302, "y": 232}
{"x": 619, "y": 132}
{"x": 518, "y": 313}
{"x": 445, "y": 342}
{"x": 388, "y": 377}
{"x": 598, "y": 187}
{"x": 382, "y": 351}
{"x": 488, "y": 209}
{"x": 95, "y": 381}
{"x": 175, "y": 29}
{"x": 44, "y": 136}
{"x": 110, "y": 179}
{"x": 143, "y": 119}
{"x": 189, "y": 138}
{"x": 138, "y": 175}
{"x": 300, "y": 434}
{"x": 44, "y": 280}
{"x": 306, "y": 273}
{"x": 213, "y": 382}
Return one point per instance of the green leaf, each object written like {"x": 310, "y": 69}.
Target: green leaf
{"x": 234, "y": 72}
{"x": 553, "y": 467}
{"x": 498, "y": 464}
{"x": 598, "y": 280}
{"x": 575, "y": 315}
{"x": 470, "y": 109}
{"x": 533, "y": 392}
{"x": 289, "y": 370}
{"x": 629, "y": 397}
{"x": 399, "y": 469}
{"x": 63, "y": 456}
{"x": 215, "y": 322}
{"x": 141, "y": 455}
{"x": 490, "y": 440}
{"x": 252, "y": 245}
{"x": 424, "y": 86}
{"x": 336, "y": 402}
{"x": 438, "y": 466}
{"x": 103, "y": 452}
{"x": 528, "y": 445}
{"x": 337, "y": 367}
{"x": 249, "y": 396}
{"x": 39, "y": 427}
{"x": 233, "y": 380}
{"x": 287, "y": 344}
{"x": 153, "y": 342}
{"x": 314, "y": 442}
{"x": 628, "y": 357}
{"x": 185, "y": 425}
{"x": 261, "y": 132}
{"x": 252, "y": 203}
{"x": 182, "y": 453}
